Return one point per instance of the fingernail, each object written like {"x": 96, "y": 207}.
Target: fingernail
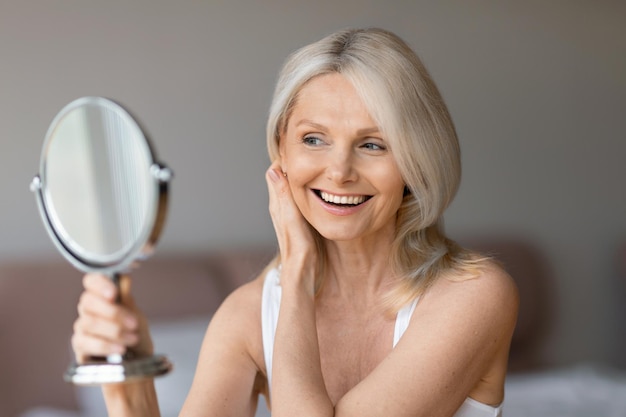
{"x": 109, "y": 293}
{"x": 274, "y": 175}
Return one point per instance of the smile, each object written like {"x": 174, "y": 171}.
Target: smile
{"x": 343, "y": 200}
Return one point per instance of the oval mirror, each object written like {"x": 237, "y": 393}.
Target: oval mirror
{"x": 102, "y": 197}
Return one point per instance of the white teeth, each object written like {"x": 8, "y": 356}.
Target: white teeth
{"x": 336, "y": 199}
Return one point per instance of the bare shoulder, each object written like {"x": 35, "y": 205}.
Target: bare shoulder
{"x": 244, "y": 302}
{"x": 490, "y": 297}
{"x": 490, "y": 279}
{"x": 493, "y": 281}
{"x": 236, "y": 325}
{"x": 239, "y": 315}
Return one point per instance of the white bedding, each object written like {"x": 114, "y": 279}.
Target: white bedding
{"x": 580, "y": 391}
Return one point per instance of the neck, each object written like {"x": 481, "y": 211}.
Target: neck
{"x": 359, "y": 270}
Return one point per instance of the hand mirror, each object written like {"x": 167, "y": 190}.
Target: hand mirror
{"x": 102, "y": 197}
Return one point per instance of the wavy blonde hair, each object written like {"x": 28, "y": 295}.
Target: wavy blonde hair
{"x": 409, "y": 110}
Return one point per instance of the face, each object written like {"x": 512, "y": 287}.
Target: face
{"x": 340, "y": 168}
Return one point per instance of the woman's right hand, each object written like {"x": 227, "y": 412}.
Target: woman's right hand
{"x": 104, "y": 326}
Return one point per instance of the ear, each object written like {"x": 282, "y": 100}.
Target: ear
{"x": 282, "y": 158}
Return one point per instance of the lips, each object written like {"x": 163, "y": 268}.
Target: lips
{"x": 342, "y": 200}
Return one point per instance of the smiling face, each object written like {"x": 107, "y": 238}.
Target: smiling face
{"x": 341, "y": 171}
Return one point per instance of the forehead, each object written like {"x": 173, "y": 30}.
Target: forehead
{"x": 330, "y": 98}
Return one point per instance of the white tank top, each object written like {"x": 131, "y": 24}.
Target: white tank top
{"x": 270, "y": 306}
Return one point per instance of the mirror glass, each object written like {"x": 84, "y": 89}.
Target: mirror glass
{"x": 97, "y": 168}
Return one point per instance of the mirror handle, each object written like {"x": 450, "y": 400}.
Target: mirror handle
{"x": 116, "y": 278}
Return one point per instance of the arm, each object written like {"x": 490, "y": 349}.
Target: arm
{"x": 228, "y": 376}
{"x": 297, "y": 382}
{"x": 226, "y": 381}
{"x": 458, "y": 341}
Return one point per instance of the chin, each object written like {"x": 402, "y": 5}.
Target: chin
{"x": 339, "y": 234}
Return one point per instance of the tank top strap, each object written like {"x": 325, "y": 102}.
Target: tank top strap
{"x": 270, "y": 306}
{"x": 402, "y": 320}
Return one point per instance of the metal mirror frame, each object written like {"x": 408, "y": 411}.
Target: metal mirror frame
{"x": 114, "y": 368}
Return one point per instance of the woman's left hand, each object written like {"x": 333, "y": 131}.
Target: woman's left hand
{"x": 294, "y": 234}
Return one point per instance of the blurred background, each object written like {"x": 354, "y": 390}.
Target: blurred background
{"x": 537, "y": 91}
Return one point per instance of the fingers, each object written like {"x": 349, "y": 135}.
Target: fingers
{"x": 274, "y": 172}
{"x": 293, "y": 232}
{"x": 276, "y": 179}
{"x": 96, "y": 309}
{"x": 100, "y": 284}
{"x": 281, "y": 201}
{"x": 99, "y": 300}
{"x": 86, "y": 345}
{"x": 103, "y": 326}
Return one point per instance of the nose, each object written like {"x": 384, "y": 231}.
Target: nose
{"x": 341, "y": 166}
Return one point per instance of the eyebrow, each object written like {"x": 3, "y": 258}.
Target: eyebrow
{"x": 360, "y": 132}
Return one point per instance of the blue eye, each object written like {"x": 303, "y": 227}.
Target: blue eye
{"x": 312, "y": 141}
{"x": 373, "y": 146}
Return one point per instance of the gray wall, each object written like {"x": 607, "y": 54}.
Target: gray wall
{"x": 537, "y": 91}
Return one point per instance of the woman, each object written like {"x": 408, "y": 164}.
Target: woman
{"x": 368, "y": 310}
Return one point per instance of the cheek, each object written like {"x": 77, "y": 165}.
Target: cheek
{"x": 288, "y": 158}
{"x": 302, "y": 199}
{"x": 298, "y": 185}
{"x": 395, "y": 189}
{"x": 389, "y": 179}
{"x": 396, "y": 196}
{"x": 299, "y": 177}
{"x": 300, "y": 166}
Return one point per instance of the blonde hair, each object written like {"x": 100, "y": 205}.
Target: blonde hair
{"x": 408, "y": 108}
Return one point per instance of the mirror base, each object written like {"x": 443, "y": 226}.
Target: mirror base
{"x": 103, "y": 372}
